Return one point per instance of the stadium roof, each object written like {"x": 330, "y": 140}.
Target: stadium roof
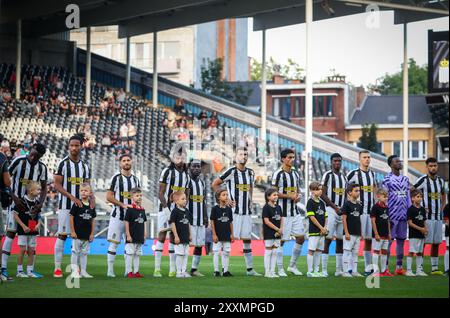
{"x": 388, "y": 110}
{"x": 136, "y": 17}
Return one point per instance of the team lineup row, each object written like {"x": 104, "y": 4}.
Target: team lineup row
{"x": 345, "y": 208}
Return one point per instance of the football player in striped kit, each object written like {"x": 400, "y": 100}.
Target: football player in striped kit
{"x": 71, "y": 173}
{"x": 119, "y": 194}
{"x": 434, "y": 200}
{"x": 334, "y": 184}
{"x": 23, "y": 169}
{"x": 198, "y": 214}
{"x": 239, "y": 182}
{"x": 365, "y": 178}
{"x": 174, "y": 178}
{"x": 286, "y": 180}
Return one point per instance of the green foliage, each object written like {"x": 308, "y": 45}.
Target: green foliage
{"x": 368, "y": 139}
{"x": 212, "y": 83}
{"x": 290, "y": 71}
{"x": 392, "y": 84}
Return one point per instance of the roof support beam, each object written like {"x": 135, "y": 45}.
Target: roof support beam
{"x": 190, "y": 16}
{"x": 114, "y": 13}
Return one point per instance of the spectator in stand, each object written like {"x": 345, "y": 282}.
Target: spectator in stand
{"x": 59, "y": 84}
{"x": 202, "y": 115}
{"x": 131, "y": 134}
{"x": 123, "y": 131}
{"x": 108, "y": 94}
{"x": 61, "y": 97}
{"x": 36, "y": 82}
{"x": 106, "y": 141}
{"x": 179, "y": 106}
{"x": 53, "y": 97}
{"x": 12, "y": 80}
{"x": 121, "y": 96}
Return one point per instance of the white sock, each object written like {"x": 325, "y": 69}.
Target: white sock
{"x": 324, "y": 262}
{"x": 367, "y": 260}
{"x": 339, "y": 265}
{"x": 111, "y": 257}
{"x": 310, "y": 261}
{"x": 280, "y": 258}
{"x": 248, "y": 255}
{"x": 419, "y": 263}
{"x": 383, "y": 262}
{"x": 296, "y": 251}
{"x": 409, "y": 263}
{"x": 128, "y": 263}
{"x": 19, "y": 268}
{"x": 7, "y": 244}
{"x": 59, "y": 248}
{"x": 434, "y": 263}
{"x": 179, "y": 263}
{"x": 185, "y": 261}
{"x": 74, "y": 259}
{"x": 446, "y": 260}
{"x": 216, "y": 261}
{"x": 375, "y": 259}
{"x": 29, "y": 269}
{"x": 83, "y": 262}
{"x": 317, "y": 256}
{"x": 158, "y": 255}
{"x": 267, "y": 260}
{"x": 225, "y": 261}
{"x": 273, "y": 260}
{"x": 195, "y": 261}
{"x": 355, "y": 261}
{"x": 136, "y": 263}
{"x": 172, "y": 258}
{"x": 346, "y": 261}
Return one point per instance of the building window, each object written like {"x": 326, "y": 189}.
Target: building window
{"x": 397, "y": 148}
{"x": 276, "y": 107}
{"x": 417, "y": 149}
{"x": 322, "y": 106}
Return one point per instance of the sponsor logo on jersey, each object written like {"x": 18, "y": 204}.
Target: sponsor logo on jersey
{"x": 243, "y": 187}
{"x": 401, "y": 193}
{"x": 367, "y": 188}
{"x": 355, "y": 212}
{"x": 24, "y": 181}
{"x": 224, "y": 219}
{"x": 434, "y": 195}
{"x": 177, "y": 188}
{"x": 126, "y": 194}
{"x": 75, "y": 181}
{"x": 86, "y": 216}
{"x": 196, "y": 198}
{"x": 339, "y": 191}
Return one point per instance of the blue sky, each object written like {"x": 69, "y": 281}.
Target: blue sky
{"x": 348, "y": 46}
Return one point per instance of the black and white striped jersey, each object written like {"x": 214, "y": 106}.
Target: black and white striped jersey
{"x": 240, "y": 186}
{"x": 22, "y": 172}
{"x": 336, "y": 185}
{"x": 121, "y": 186}
{"x": 287, "y": 182}
{"x": 432, "y": 190}
{"x": 366, "y": 180}
{"x": 74, "y": 174}
{"x": 174, "y": 180}
{"x": 197, "y": 202}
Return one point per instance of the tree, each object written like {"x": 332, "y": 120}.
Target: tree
{"x": 392, "y": 84}
{"x": 290, "y": 71}
{"x": 368, "y": 139}
{"x": 213, "y": 83}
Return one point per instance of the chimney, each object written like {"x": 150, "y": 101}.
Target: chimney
{"x": 360, "y": 95}
{"x": 278, "y": 79}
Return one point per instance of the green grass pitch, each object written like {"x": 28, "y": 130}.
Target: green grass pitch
{"x": 238, "y": 286}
